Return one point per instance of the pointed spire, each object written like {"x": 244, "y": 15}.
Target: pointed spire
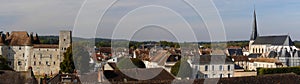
{"x": 254, "y": 29}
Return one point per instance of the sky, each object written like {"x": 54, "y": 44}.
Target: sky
{"x": 152, "y": 19}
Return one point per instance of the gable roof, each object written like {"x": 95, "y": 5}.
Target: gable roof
{"x": 235, "y": 51}
{"x": 19, "y": 38}
{"x": 212, "y": 59}
{"x": 274, "y": 40}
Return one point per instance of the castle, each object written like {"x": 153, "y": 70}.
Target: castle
{"x": 24, "y": 50}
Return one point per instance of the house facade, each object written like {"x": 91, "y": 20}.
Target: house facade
{"x": 212, "y": 66}
{"x": 24, "y": 50}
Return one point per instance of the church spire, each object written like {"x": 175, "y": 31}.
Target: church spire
{"x": 254, "y": 30}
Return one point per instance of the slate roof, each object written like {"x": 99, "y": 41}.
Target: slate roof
{"x": 274, "y": 40}
{"x": 173, "y": 58}
{"x": 235, "y": 51}
{"x": 117, "y": 75}
{"x": 254, "y": 55}
{"x": 212, "y": 59}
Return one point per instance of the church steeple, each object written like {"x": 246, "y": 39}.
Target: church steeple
{"x": 254, "y": 29}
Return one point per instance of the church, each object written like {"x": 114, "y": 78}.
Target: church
{"x": 280, "y": 47}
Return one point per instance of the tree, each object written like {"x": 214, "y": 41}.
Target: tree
{"x": 129, "y": 63}
{"x": 67, "y": 66}
{"x": 3, "y": 64}
{"x": 182, "y": 69}
{"x": 81, "y": 57}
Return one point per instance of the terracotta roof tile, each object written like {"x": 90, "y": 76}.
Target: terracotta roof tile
{"x": 18, "y": 38}
{"x": 45, "y": 46}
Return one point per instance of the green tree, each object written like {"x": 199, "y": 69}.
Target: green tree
{"x": 3, "y": 64}
{"x": 182, "y": 69}
{"x": 127, "y": 63}
{"x": 81, "y": 58}
{"x": 67, "y": 66}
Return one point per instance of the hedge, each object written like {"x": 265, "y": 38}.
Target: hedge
{"x": 263, "y": 71}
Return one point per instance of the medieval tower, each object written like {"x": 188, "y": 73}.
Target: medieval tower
{"x": 65, "y": 41}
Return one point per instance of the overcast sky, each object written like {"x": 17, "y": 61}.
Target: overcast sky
{"x": 47, "y": 17}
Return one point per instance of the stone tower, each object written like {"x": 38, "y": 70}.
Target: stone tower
{"x": 65, "y": 40}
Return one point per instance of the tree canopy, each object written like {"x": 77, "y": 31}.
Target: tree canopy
{"x": 182, "y": 69}
{"x": 81, "y": 58}
{"x": 67, "y": 65}
{"x": 126, "y": 63}
{"x": 3, "y": 64}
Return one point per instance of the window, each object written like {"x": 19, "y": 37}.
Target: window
{"x": 34, "y": 63}
{"x": 255, "y": 64}
{"x": 213, "y": 67}
{"x": 220, "y": 68}
{"x": 196, "y": 67}
{"x": 229, "y": 75}
{"x": 23, "y": 55}
{"x": 20, "y": 48}
{"x": 54, "y": 63}
{"x": 64, "y": 39}
{"x": 19, "y": 63}
{"x": 228, "y": 67}
{"x": 47, "y": 63}
{"x": 9, "y": 48}
{"x": 197, "y": 76}
{"x": 206, "y": 68}
{"x": 221, "y": 75}
{"x": 255, "y": 50}
{"x": 33, "y": 55}
{"x": 50, "y": 56}
{"x": 40, "y": 63}
{"x": 41, "y": 56}
{"x": 205, "y": 76}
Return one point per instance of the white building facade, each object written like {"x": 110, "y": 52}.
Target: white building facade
{"x": 24, "y": 50}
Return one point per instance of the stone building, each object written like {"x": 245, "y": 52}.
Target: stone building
{"x": 280, "y": 47}
{"x": 212, "y": 66}
{"x": 24, "y": 50}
